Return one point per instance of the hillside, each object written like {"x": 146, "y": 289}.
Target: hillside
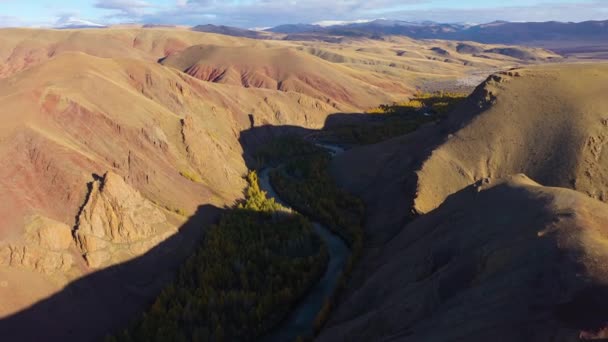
{"x": 168, "y": 142}
{"x": 117, "y": 153}
{"x": 497, "y": 255}
{"x": 283, "y": 69}
{"x": 506, "y": 261}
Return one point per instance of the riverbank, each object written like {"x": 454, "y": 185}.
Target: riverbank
{"x": 301, "y": 321}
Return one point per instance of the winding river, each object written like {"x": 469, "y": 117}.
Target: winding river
{"x": 300, "y": 321}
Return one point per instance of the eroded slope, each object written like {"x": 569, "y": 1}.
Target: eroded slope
{"x": 501, "y": 261}
{"x": 494, "y": 256}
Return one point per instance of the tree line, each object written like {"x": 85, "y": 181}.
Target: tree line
{"x": 246, "y": 276}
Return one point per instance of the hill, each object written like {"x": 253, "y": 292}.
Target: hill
{"x": 121, "y": 152}
{"x": 283, "y": 69}
{"x": 496, "y": 255}
{"x": 111, "y": 157}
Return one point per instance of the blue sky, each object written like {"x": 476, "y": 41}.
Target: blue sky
{"x": 263, "y": 13}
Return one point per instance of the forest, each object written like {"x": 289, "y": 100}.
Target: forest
{"x": 246, "y": 276}
{"x": 305, "y": 183}
{"x": 399, "y": 118}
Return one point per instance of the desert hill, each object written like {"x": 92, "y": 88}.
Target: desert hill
{"x": 283, "y": 69}
{"x": 170, "y": 140}
{"x": 109, "y": 153}
{"x": 485, "y": 225}
{"x": 506, "y": 260}
{"x": 549, "y": 123}
{"x": 22, "y": 48}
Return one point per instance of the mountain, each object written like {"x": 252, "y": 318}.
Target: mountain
{"x": 509, "y": 202}
{"x": 498, "y": 32}
{"x": 585, "y": 39}
{"x": 283, "y": 69}
{"x": 230, "y": 31}
{"x": 295, "y": 28}
{"x": 119, "y": 144}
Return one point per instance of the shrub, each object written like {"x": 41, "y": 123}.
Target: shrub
{"x": 191, "y": 176}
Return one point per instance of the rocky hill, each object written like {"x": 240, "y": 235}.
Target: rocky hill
{"x": 110, "y": 157}
{"x": 512, "y": 189}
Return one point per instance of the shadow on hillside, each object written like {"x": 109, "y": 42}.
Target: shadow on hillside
{"x": 251, "y": 139}
{"x": 394, "y": 159}
{"x": 107, "y": 300}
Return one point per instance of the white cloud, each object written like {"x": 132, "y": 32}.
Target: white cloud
{"x": 124, "y": 8}
{"x": 68, "y": 19}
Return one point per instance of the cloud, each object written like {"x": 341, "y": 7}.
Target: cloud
{"x": 72, "y": 19}
{"x": 255, "y": 13}
{"x": 124, "y": 8}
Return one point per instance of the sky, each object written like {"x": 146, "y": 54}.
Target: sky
{"x": 266, "y": 13}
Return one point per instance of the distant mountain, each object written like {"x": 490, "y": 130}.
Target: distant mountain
{"x": 498, "y": 32}
{"x": 295, "y": 28}
{"x": 157, "y": 26}
{"x": 230, "y": 31}
{"x": 587, "y": 39}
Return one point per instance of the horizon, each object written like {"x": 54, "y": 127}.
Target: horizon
{"x": 256, "y": 14}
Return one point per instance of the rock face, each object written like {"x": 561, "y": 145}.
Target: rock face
{"x": 44, "y": 248}
{"x": 117, "y": 223}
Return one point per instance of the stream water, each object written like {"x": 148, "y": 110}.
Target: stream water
{"x": 300, "y": 321}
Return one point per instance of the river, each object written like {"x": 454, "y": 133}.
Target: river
{"x": 300, "y": 321}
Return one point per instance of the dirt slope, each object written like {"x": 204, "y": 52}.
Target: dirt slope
{"x": 545, "y": 121}
{"x": 550, "y": 123}
{"x": 496, "y": 256}
{"x": 107, "y": 153}
{"x": 171, "y": 138}
{"x": 505, "y": 261}
{"x": 283, "y": 69}
{"x": 23, "y": 48}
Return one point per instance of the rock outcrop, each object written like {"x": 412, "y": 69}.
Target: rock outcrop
{"x": 44, "y": 248}
{"x": 117, "y": 223}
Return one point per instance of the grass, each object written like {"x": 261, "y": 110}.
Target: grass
{"x": 399, "y": 118}
{"x": 191, "y": 176}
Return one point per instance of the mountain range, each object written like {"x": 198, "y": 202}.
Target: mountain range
{"x": 585, "y": 38}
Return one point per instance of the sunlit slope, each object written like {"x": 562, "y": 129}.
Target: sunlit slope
{"x": 284, "y": 69}
{"x": 550, "y": 123}
{"x": 171, "y": 140}
{"x": 511, "y": 241}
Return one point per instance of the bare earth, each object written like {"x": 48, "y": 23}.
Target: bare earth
{"x": 512, "y": 243}
{"x": 115, "y": 142}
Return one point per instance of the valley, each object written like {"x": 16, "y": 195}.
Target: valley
{"x": 172, "y": 184}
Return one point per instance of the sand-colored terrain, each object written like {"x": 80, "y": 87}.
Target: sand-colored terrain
{"x": 112, "y": 138}
{"x": 511, "y": 243}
